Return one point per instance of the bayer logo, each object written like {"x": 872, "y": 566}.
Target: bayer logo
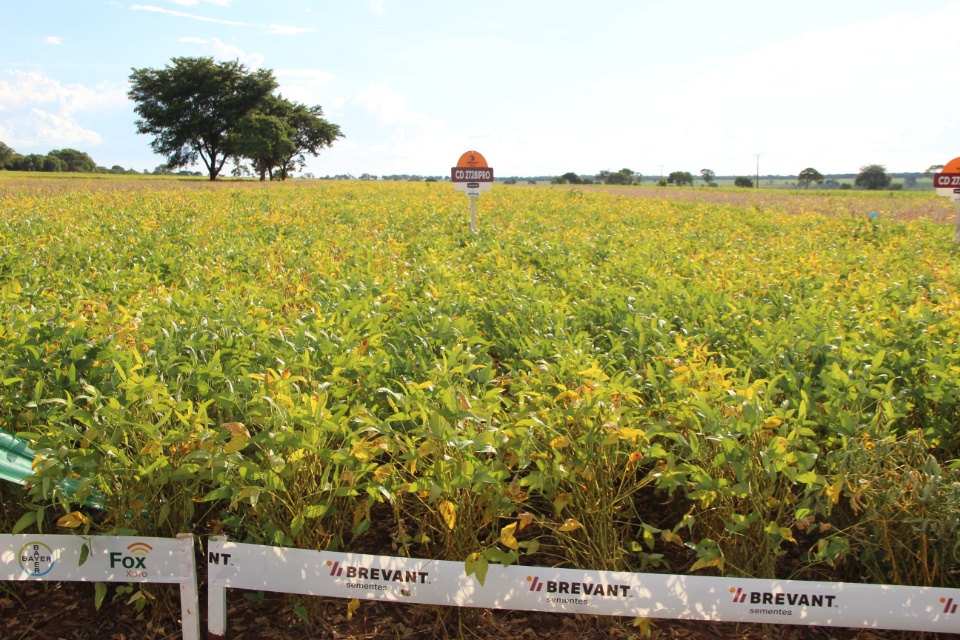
{"x": 36, "y": 559}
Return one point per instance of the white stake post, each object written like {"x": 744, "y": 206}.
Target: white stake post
{"x": 947, "y": 183}
{"x": 56, "y": 558}
{"x": 473, "y": 177}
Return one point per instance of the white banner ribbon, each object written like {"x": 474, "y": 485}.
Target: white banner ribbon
{"x": 326, "y": 573}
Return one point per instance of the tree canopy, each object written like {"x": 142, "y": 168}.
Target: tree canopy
{"x": 809, "y": 175}
{"x": 54, "y": 161}
{"x": 743, "y": 181}
{"x": 200, "y": 109}
{"x": 708, "y": 175}
{"x": 680, "y": 178}
{"x": 873, "y": 177}
{"x": 264, "y": 140}
{"x": 192, "y": 105}
{"x": 77, "y": 161}
{"x": 6, "y": 153}
{"x": 311, "y": 134}
{"x": 624, "y": 176}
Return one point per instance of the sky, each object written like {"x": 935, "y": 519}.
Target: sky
{"x": 539, "y": 87}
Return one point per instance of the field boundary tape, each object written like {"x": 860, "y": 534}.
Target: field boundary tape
{"x": 437, "y": 582}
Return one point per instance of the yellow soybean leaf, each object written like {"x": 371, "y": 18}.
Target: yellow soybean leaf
{"x": 610, "y": 439}
{"x": 630, "y": 433}
{"x": 361, "y": 451}
{"x": 236, "y": 428}
{"x": 297, "y": 456}
{"x": 772, "y": 422}
{"x": 73, "y": 520}
{"x": 703, "y": 563}
{"x": 448, "y": 511}
{"x": 150, "y": 448}
{"x": 643, "y": 626}
{"x": 787, "y": 534}
{"x": 507, "y": 538}
{"x": 594, "y": 372}
{"x": 359, "y": 514}
{"x": 670, "y": 536}
{"x": 237, "y": 442}
{"x": 559, "y": 442}
{"x": 570, "y": 525}
{"x": 352, "y": 606}
{"x": 464, "y": 401}
{"x": 524, "y": 519}
{"x": 835, "y": 490}
{"x": 382, "y": 472}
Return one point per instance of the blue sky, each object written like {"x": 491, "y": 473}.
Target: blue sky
{"x": 539, "y": 87}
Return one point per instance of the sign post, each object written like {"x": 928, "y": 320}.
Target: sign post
{"x": 473, "y": 177}
{"x": 947, "y": 183}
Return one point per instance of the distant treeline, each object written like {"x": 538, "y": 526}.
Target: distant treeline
{"x": 68, "y": 161}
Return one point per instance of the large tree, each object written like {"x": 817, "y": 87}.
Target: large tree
{"x": 809, "y": 175}
{"x": 708, "y": 176}
{"x": 873, "y": 177}
{"x": 191, "y": 106}
{"x": 280, "y": 134}
{"x": 680, "y": 178}
{"x": 310, "y": 134}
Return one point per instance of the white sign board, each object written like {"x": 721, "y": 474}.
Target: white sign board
{"x": 56, "y": 558}
{"x": 437, "y": 582}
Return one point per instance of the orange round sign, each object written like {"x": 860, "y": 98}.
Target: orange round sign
{"x": 951, "y": 167}
{"x": 472, "y": 159}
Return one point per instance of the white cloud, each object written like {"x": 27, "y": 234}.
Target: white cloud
{"x": 40, "y": 110}
{"x": 23, "y": 88}
{"x": 378, "y": 7}
{"x": 391, "y": 107}
{"x": 273, "y": 29}
{"x": 183, "y": 14}
{"x": 53, "y": 40}
{"x": 226, "y": 51}
{"x": 308, "y": 86}
{"x": 834, "y": 98}
{"x": 40, "y": 127}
